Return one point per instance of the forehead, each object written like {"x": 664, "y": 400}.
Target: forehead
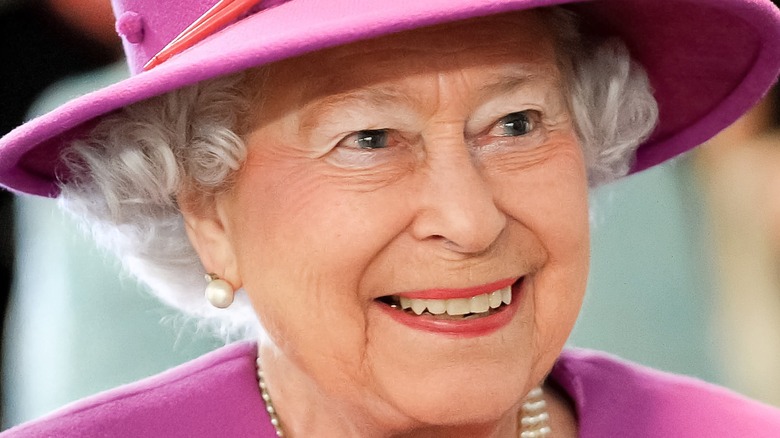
{"x": 507, "y": 45}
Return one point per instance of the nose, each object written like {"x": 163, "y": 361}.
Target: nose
{"x": 457, "y": 207}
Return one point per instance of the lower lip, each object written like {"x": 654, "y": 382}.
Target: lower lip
{"x": 461, "y": 328}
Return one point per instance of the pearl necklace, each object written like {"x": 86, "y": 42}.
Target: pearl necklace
{"x": 535, "y": 420}
{"x": 533, "y": 423}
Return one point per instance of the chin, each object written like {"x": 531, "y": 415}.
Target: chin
{"x": 460, "y": 393}
{"x": 442, "y": 379}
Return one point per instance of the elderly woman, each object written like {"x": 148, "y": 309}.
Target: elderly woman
{"x": 391, "y": 197}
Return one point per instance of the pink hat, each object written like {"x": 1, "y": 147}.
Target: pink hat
{"x": 709, "y": 61}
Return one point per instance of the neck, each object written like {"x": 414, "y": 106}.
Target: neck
{"x": 305, "y": 409}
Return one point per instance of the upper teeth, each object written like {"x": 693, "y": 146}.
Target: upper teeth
{"x": 459, "y": 306}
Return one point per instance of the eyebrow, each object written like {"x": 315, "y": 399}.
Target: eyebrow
{"x": 508, "y": 83}
{"x": 373, "y": 97}
{"x": 382, "y": 96}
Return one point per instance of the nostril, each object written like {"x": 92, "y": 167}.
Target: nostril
{"x": 457, "y": 208}
{"x": 446, "y": 243}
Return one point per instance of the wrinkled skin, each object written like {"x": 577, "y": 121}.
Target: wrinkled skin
{"x": 471, "y": 173}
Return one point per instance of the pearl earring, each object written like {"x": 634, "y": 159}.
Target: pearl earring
{"x": 219, "y": 292}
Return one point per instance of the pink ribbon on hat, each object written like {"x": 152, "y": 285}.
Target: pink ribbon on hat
{"x": 222, "y": 13}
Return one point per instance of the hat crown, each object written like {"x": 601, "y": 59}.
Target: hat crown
{"x": 708, "y": 60}
{"x": 146, "y": 26}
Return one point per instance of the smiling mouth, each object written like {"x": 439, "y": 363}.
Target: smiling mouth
{"x": 478, "y": 306}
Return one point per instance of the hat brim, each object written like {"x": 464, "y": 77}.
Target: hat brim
{"x": 708, "y": 61}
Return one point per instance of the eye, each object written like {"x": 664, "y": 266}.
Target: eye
{"x": 515, "y": 124}
{"x": 368, "y": 139}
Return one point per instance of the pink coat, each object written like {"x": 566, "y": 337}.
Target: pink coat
{"x": 217, "y": 396}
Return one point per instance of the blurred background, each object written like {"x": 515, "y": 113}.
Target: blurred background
{"x": 685, "y": 268}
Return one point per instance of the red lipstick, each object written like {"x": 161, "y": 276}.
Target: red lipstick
{"x": 465, "y": 327}
{"x": 467, "y": 292}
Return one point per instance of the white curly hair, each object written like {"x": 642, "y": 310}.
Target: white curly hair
{"x": 126, "y": 176}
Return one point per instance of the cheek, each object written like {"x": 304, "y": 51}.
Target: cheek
{"x": 303, "y": 240}
{"x": 551, "y": 200}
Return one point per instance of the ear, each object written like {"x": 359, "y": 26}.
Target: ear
{"x": 208, "y": 231}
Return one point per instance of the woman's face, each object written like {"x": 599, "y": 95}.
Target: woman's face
{"x": 426, "y": 169}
